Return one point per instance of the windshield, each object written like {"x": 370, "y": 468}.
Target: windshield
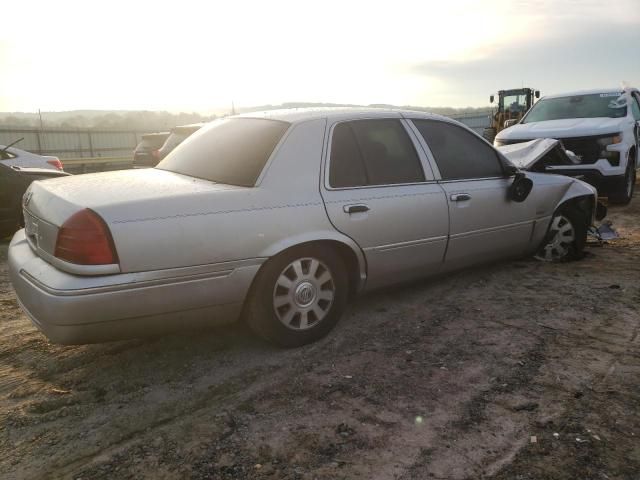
{"x": 515, "y": 103}
{"x": 578, "y": 106}
{"x": 231, "y": 151}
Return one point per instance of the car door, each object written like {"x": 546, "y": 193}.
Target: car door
{"x": 379, "y": 190}
{"x": 484, "y": 223}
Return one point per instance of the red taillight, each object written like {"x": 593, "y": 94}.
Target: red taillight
{"x": 85, "y": 239}
{"x": 56, "y": 163}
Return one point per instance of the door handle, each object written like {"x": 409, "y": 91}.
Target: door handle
{"x": 460, "y": 197}
{"x": 355, "y": 208}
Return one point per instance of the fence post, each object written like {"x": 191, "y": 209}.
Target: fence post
{"x": 90, "y": 144}
{"x": 39, "y": 142}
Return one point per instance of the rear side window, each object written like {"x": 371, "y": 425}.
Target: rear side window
{"x": 458, "y": 153}
{"x": 372, "y": 152}
{"x": 232, "y": 151}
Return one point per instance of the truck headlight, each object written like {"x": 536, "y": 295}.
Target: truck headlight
{"x": 612, "y": 157}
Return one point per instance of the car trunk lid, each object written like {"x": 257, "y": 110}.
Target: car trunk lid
{"x": 119, "y": 197}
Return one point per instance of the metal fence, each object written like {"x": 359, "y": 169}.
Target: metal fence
{"x": 67, "y": 143}
{"x": 477, "y": 121}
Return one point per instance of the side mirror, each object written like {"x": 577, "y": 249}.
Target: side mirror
{"x": 537, "y": 93}
{"x": 511, "y": 122}
{"x": 520, "y": 188}
{"x": 491, "y": 99}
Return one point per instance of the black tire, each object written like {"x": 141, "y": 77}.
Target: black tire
{"x": 260, "y": 311}
{"x": 489, "y": 134}
{"x": 623, "y": 191}
{"x": 566, "y": 250}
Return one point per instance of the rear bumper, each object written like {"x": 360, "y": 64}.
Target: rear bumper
{"x": 70, "y": 309}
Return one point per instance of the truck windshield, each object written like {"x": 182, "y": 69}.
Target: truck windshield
{"x": 578, "y": 106}
{"x": 232, "y": 151}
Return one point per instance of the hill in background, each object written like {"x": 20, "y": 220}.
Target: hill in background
{"x": 163, "y": 120}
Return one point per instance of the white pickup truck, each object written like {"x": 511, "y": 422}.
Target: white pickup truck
{"x": 600, "y": 127}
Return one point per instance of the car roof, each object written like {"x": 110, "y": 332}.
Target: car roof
{"x": 592, "y": 92}
{"x": 296, "y": 115}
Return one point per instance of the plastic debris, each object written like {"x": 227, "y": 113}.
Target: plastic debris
{"x": 534, "y": 439}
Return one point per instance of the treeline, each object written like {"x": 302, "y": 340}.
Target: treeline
{"x": 162, "y": 121}
{"x": 134, "y": 120}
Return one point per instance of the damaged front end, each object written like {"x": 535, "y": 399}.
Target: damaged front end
{"x": 537, "y": 155}
{"x": 544, "y": 155}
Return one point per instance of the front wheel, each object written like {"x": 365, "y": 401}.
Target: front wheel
{"x": 298, "y": 296}
{"x": 566, "y": 237}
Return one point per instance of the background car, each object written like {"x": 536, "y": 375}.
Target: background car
{"x": 146, "y": 153}
{"x": 14, "y": 181}
{"x": 176, "y": 137}
{"x": 283, "y": 216}
{"x": 10, "y": 156}
{"x": 601, "y": 127}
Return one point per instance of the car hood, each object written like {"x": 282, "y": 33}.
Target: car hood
{"x": 528, "y": 155}
{"x": 125, "y": 195}
{"x": 565, "y": 128}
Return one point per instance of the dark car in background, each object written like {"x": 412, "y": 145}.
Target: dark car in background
{"x": 14, "y": 181}
{"x": 176, "y": 137}
{"x": 146, "y": 154}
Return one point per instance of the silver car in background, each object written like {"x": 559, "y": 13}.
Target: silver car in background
{"x": 281, "y": 217}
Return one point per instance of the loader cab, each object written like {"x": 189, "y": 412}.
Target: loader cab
{"x": 515, "y": 102}
{"x": 512, "y": 105}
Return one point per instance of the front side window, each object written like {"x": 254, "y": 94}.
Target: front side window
{"x": 458, "y": 153}
{"x": 373, "y": 152}
{"x": 599, "y": 105}
{"x": 232, "y": 151}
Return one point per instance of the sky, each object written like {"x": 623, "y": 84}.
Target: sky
{"x": 202, "y": 55}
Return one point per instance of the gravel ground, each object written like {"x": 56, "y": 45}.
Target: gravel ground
{"x": 520, "y": 370}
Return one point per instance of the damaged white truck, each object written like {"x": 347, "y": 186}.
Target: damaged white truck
{"x": 600, "y": 129}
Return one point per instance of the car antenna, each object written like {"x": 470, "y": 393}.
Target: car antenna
{"x": 11, "y": 145}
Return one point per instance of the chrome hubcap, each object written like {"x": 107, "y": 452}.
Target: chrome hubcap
{"x": 303, "y": 293}
{"x": 563, "y": 236}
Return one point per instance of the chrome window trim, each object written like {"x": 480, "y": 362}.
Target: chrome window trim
{"x": 327, "y": 158}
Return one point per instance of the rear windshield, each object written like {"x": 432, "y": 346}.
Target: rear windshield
{"x": 578, "y": 106}
{"x": 232, "y": 151}
{"x": 151, "y": 142}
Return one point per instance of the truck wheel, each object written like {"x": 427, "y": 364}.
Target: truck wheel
{"x": 298, "y": 296}
{"x": 489, "y": 134}
{"x": 625, "y": 187}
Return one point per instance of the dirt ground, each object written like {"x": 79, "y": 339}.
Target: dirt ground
{"x": 521, "y": 370}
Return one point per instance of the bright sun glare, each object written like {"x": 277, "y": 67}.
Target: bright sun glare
{"x": 202, "y": 55}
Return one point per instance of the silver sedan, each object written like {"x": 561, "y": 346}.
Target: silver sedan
{"x": 281, "y": 217}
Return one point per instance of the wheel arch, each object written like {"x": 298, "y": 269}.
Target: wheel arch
{"x": 581, "y": 196}
{"x": 346, "y": 248}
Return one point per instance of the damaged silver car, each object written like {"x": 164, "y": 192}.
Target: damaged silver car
{"x": 281, "y": 217}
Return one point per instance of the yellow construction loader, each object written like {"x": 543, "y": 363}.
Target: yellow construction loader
{"x": 512, "y": 105}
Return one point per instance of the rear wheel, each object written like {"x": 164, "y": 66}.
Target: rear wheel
{"x": 566, "y": 237}
{"x": 298, "y": 296}
{"x": 623, "y": 191}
